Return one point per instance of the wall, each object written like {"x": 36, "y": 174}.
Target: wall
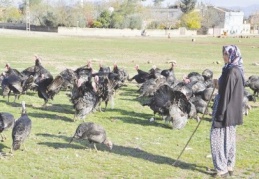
{"x": 23, "y": 27}
{"x": 124, "y": 32}
{"x": 234, "y": 22}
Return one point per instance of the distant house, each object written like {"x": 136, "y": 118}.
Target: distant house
{"x": 227, "y": 22}
{"x": 166, "y": 16}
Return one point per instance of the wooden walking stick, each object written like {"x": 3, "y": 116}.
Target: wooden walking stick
{"x": 195, "y": 128}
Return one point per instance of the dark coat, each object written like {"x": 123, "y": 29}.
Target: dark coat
{"x": 231, "y": 90}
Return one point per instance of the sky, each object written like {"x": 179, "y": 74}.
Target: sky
{"x": 224, "y": 3}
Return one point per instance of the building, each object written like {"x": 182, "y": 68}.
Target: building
{"x": 225, "y": 21}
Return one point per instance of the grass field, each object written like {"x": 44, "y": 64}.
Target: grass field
{"x": 141, "y": 149}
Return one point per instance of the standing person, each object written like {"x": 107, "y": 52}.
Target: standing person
{"x": 227, "y": 112}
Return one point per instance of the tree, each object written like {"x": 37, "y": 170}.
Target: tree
{"x": 254, "y": 20}
{"x": 191, "y": 20}
{"x": 11, "y": 14}
{"x": 187, "y": 6}
{"x": 105, "y": 19}
{"x": 211, "y": 18}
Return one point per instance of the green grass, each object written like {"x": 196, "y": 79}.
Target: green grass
{"x": 141, "y": 149}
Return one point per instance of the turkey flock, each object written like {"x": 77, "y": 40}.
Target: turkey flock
{"x": 174, "y": 100}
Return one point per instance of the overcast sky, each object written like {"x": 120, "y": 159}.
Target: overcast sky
{"x": 225, "y": 3}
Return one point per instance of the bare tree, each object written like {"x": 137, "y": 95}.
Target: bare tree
{"x": 254, "y": 20}
{"x": 211, "y": 17}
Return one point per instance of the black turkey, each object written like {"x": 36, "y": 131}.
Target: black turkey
{"x": 11, "y": 71}
{"x": 184, "y": 88}
{"x": 105, "y": 90}
{"x": 21, "y": 129}
{"x": 253, "y": 83}
{"x": 246, "y": 106}
{"x": 141, "y": 77}
{"x": 149, "y": 87}
{"x": 43, "y": 79}
{"x": 64, "y": 80}
{"x": 84, "y": 99}
{"x": 12, "y": 83}
{"x": 169, "y": 74}
{"x": 208, "y": 77}
{"x": 85, "y": 72}
{"x": 154, "y": 72}
{"x": 92, "y": 132}
{"x": 122, "y": 76}
{"x": 200, "y": 104}
{"x": 171, "y": 104}
{"x": 6, "y": 122}
{"x": 193, "y": 77}
{"x": 68, "y": 76}
{"x": 104, "y": 69}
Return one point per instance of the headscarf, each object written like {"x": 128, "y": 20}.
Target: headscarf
{"x": 235, "y": 59}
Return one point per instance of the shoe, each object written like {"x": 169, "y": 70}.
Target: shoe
{"x": 217, "y": 175}
{"x": 231, "y": 173}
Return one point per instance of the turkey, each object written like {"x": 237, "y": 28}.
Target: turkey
{"x": 11, "y": 71}
{"x": 171, "y": 104}
{"x": 122, "y": 76}
{"x": 184, "y": 88}
{"x": 141, "y": 77}
{"x": 103, "y": 69}
{"x": 43, "y": 79}
{"x": 149, "y": 87}
{"x": 169, "y": 74}
{"x": 104, "y": 89}
{"x": 208, "y": 77}
{"x": 84, "y": 98}
{"x": 85, "y": 72}
{"x": 68, "y": 76}
{"x": 40, "y": 72}
{"x": 6, "y": 122}
{"x": 246, "y": 106}
{"x": 12, "y": 83}
{"x": 193, "y": 77}
{"x": 154, "y": 72}
{"x": 253, "y": 83}
{"x": 62, "y": 81}
{"x": 200, "y": 104}
{"x": 21, "y": 129}
{"x": 92, "y": 132}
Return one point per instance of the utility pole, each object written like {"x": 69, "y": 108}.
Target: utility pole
{"x": 28, "y": 21}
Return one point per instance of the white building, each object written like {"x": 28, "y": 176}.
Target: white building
{"x": 231, "y": 22}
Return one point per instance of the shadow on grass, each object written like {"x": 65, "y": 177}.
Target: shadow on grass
{"x": 123, "y": 151}
{"x": 158, "y": 159}
{"x": 51, "y": 116}
{"x": 61, "y": 108}
{"x": 2, "y": 146}
{"x": 133, "y": 117}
